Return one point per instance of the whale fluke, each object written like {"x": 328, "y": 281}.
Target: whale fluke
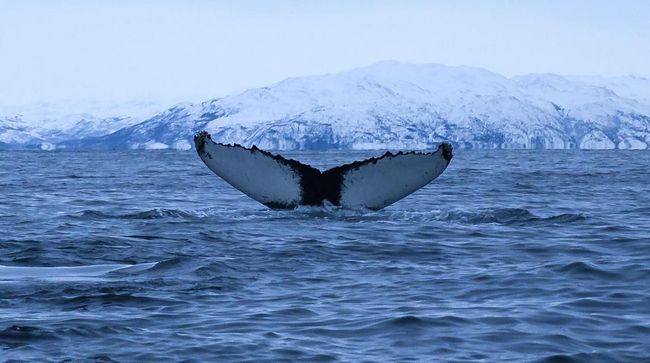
{"x": 281, "y": 183}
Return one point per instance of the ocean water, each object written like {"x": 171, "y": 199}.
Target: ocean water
{"x": 148, "y": 256}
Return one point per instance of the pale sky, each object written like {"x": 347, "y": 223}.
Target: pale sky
{"x": 193, "y": 50}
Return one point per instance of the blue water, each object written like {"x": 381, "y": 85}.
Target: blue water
{"x": 142, "y": 256}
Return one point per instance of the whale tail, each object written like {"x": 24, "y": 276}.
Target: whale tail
{"x": 282, "y": 183}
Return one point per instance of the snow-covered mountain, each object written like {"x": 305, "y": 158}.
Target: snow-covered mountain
{"x": 44, "y": 125}
{"x": 406, "y": 106}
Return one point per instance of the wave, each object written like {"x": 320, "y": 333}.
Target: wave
{"x": 176, "y": 268}
{"x": 383, "y": 325}
{"x": 67, "y": 273}
{"x": 107, "y": 297}
{"x": 509, "y": 216}
{"x": 586, "y": 270}
{"x": 19, "y": 335}
{"x": 506, "y": 216}
{"x": 147, "y": 214}
{"x": 238, "y": 214}
{"x": 578, "y": 358}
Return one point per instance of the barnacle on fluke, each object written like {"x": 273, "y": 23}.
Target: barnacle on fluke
{"x": 281, "y": 183}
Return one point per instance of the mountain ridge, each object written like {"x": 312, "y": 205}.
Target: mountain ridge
{"x": 394, "y": 105}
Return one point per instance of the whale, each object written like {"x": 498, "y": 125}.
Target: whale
{"x": 281, "y": 183}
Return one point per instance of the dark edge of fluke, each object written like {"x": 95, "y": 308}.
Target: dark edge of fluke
{"x": 316, "y": 186}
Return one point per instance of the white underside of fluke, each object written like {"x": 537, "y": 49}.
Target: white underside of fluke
{"x": 255, "y": 174}
{"x": 389, "y": 179}
{"x": 280, "y": 183}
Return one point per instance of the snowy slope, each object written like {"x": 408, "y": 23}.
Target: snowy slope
{"x": 632, "y": 87}
{"x": 406, "y": 106}
{"x": 44, "y": 125}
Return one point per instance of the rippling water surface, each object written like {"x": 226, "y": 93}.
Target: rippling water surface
{"x": 508, "y": 256}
